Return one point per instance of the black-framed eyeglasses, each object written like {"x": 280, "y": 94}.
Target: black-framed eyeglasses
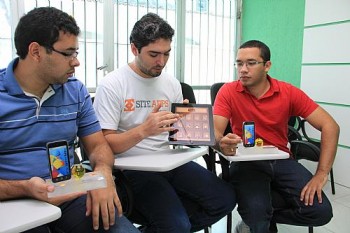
{"x": 249, "y": 64}
{"x": 70, "y": 56}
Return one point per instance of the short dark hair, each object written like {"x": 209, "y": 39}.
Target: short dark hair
{"x": 148, "y": 29}
{"x": 264, "y": 49}
{"x": 42, "y": 25}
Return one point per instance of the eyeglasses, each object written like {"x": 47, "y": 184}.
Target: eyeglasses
{"x": 249, "y": 64}
{"x": 70, "y": 56}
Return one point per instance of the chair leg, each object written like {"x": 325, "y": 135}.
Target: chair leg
{"x": 229, "y": 223}
{"x": 206, "y": 230}
{"x": 332, "y": 181}
{"x": 311, "y": 229}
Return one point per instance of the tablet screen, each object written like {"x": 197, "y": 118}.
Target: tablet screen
{"x": 195, "y": 126}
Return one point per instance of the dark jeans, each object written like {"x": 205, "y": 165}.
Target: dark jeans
{"x": 73, "y": 220}
{"x": 253, "y": 182}
{"x": 162, "y": 199}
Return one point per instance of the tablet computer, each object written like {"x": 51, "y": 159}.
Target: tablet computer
{"x": 195, "y": 126}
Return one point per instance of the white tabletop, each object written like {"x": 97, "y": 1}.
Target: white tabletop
{"x": 24, "y": 214}
{"x": 160, "y": 161}
{"x": 254, "y": 153}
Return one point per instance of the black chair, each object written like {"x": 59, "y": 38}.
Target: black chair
{"x": 318, "y": 144}
{"x": 188, "y": 93}
{"x": 214, "y": 89}
{"x": 225, "y": 164}
{"x": 293, "y": 134}
{"x": 295, "y": 122}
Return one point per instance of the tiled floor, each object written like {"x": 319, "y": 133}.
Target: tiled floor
{"x": 339, "y": 224}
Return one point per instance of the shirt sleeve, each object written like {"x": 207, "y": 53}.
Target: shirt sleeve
{"x": 108, "y": 106}
{"x": 87, "y": 120}
{"x": 301, "y": 105}
{"x": 222, "y": 105}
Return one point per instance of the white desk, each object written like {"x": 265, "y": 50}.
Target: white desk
{"x": 160, "y": 161}
{"x": 253, "y": 154}
{"x": 25, "y": 214}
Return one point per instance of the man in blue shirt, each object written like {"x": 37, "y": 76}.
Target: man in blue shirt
{"x": 42, "y": 102}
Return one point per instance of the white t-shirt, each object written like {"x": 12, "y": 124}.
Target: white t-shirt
{"x": 124, "y": 100}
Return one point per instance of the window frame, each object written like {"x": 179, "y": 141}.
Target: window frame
{"x": 108, "y": 63}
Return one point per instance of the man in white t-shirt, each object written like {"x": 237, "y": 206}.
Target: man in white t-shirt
{"x": 133, "y": 106}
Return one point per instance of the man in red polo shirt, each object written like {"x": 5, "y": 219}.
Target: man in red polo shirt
{"x": 270, "y": 103}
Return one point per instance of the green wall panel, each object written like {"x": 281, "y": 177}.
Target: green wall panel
{"x": 279, "y": 24}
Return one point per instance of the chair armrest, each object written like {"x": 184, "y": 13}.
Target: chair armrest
{"x": 293, "y": 134}
{"x": 305, "y": 150}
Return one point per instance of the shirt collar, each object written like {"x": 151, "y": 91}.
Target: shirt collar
{"x": 10, "y": 82}
{"x": 274, "y": 87}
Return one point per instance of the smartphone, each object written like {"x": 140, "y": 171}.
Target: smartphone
{"x": 59, "y": 162}
{"x": 248, "y": 134}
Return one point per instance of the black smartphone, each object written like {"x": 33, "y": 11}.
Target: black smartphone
{"x": 59, "y": 163}
{"x": 248, "y": 134}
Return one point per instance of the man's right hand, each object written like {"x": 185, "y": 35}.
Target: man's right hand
{"x": 228, "y": 144}
{"x": 38, "y": 189}
{"x": 158, "y": 122}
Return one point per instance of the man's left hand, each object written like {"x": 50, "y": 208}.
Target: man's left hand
{"x": 103, "y": 202}
{"x": 312, "y": 188}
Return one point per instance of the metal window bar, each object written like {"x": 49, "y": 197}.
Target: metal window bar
{"x": 204, "y": 41}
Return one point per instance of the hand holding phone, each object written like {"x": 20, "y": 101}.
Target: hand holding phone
{"x": 59, "y": 162}
{"x": 248, "y": 134}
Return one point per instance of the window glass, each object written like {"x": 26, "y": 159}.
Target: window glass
{"x": 202, "y": 52}
{"x": 5, "y": 35}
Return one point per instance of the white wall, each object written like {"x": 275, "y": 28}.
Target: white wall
{"x": 325, "y": 75}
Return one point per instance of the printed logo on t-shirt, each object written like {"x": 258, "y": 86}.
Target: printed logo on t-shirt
{"x": 131, "y": 104}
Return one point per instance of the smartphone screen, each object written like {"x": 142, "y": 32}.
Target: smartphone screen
{"x": 58, "y": 153}
{"x": 248, "y": 134}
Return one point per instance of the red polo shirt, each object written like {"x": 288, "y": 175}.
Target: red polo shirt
{"x": 270, "y": 113}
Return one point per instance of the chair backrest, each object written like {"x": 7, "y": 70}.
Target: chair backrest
{"x": 306, "y": 136}
{"x": 301, "y": 149}
{"x": 295, "y": 122}
{"x": 214, "y": 89}
{"x": 305, "y": 150}
{"x": 187, "y": 93}
{"x": 293, "y": 134}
